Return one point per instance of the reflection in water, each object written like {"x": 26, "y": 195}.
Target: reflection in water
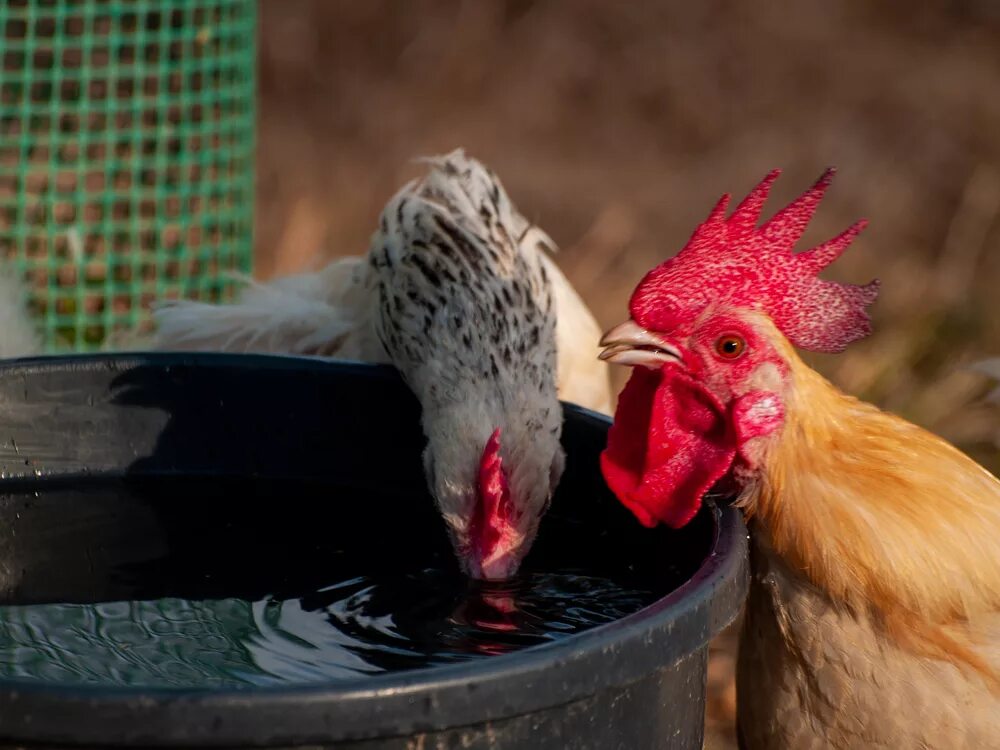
{"x": 357, "y": 626}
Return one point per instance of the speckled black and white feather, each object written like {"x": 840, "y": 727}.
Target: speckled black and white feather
{"x": 331, "y": 312}
{"x": 463, "y": 300}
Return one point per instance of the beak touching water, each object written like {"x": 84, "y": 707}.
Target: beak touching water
{"x": 631, "y": 344}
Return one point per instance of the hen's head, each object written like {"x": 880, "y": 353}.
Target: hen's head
{"x": 708, "y": 336}
{"x": 493, "y": 490}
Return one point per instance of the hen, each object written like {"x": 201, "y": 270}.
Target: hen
{"x": 457, "y": 291}
{"x": 872, "y": 619}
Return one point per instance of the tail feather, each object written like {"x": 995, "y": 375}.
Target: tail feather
{"x": 325, "y": 313}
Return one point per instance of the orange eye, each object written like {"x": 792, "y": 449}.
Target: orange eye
{"x": 730, "y": 346}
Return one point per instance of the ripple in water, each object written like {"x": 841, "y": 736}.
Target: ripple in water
{"x": 358, "y": 626}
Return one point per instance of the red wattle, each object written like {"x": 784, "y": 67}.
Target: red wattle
{"x": 670, "y": 442}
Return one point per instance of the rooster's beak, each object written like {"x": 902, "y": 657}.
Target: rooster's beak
{"x": 631, "y": 344}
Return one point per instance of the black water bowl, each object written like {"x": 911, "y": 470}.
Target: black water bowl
{"x": 179, "y": 532}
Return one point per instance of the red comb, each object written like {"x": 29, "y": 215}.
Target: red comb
{"x": 735, "y": 261}
{"x": 492, "y": 513}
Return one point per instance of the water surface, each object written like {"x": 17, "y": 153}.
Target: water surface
{"x": 359, "y": 626}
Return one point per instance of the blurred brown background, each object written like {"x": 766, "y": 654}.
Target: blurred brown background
{"x": 615, "y": 126}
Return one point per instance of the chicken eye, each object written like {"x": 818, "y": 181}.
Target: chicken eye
{"x": 730, "y": 346}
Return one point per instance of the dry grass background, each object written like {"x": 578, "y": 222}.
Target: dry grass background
{"x": 616, "y": 126}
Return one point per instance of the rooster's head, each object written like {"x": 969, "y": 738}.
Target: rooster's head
{"x": 709, "y": 339}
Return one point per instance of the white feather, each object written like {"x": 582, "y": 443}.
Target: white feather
{"x": 324, "y": 313}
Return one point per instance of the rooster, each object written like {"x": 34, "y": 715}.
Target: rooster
{"x": 459, "y": 294}
{"x": 873, "y": 618}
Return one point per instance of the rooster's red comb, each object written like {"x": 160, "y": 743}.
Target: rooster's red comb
{"x": 732, "y": 260}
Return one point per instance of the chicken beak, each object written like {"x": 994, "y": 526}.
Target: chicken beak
{"x": 631, "y": 344}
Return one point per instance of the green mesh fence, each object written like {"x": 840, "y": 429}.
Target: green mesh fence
{"x": 126, "y": 156}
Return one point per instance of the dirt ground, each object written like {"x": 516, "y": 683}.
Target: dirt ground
{"x": 615, "y": 126}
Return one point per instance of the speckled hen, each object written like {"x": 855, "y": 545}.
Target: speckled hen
{"x": 458, "y": 292}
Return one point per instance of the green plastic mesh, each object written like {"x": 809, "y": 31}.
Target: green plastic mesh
{"x": 126, "y": 156}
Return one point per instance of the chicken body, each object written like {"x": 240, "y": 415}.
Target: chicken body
{"x": 812, "y": 674}
{"x": 457, "y": 292}
{"x": 873, "y": 618}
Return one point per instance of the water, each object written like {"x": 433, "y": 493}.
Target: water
{"x": 189, "y": 594}
{"x": 355, "y": 627}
